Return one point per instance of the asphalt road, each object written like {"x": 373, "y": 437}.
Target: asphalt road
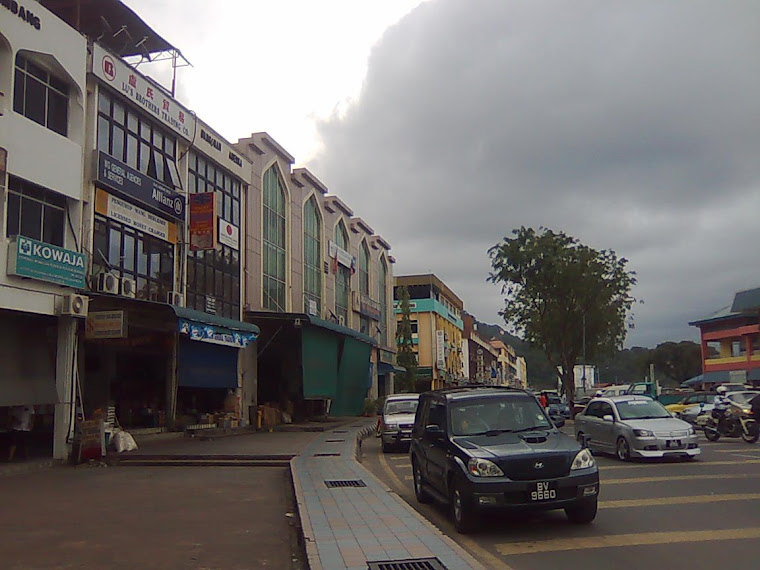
{"x": 674, "y": 515}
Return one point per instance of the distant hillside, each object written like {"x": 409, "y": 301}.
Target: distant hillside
{"x": 673, "y": 362}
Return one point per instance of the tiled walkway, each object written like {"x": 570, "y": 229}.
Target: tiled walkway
{"x": 346, "y": 527}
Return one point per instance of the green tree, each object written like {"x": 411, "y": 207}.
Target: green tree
{"x": 565, "y": 297}
{"x": 677, "y": 361}
{"x": 405, "y": 356}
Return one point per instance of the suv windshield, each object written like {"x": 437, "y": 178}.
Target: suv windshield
{"x": 497, "y": 415}
{"x": 742, "y": 397}
{"x": 641, "y": 410}
{"x": 401, "y": 407}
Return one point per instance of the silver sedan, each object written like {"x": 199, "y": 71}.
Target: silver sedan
{"x": 634, "y": 426}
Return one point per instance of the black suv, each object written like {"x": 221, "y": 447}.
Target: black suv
{"x": 487, "y": 447}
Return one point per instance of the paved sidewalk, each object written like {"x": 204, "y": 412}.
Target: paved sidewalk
{"x": 346, "y": 527}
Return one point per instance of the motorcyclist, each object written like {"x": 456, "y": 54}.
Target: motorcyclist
{"x": 720, "y": 404}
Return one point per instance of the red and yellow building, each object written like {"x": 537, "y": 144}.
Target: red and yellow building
{"x": 730, "y": 341}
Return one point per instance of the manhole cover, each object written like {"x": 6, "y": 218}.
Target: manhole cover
{"x": 345, "y": 483}
{"x": 408, "y": 564}
{"x": 340, "y": 431}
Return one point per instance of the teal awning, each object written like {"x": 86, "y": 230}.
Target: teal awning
{"x": 214, "y": 320}
{"x": 385, "y": 367}
{"x": 329, "y": 325}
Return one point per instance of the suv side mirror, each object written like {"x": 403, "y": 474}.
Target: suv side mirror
{"x": 433, "y": 430}
{"x": 608, "y": 418}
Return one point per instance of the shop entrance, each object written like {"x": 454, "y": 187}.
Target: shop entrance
{"x": 129, "y": 376}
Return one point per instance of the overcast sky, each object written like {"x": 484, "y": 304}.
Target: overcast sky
{"x": 445, "y": 124}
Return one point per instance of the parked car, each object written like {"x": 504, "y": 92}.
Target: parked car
{"x": 617, "y": 390}
{"x": 634, "y": 426}
{"x": 397, "y": 419}
{"x": 487, "y": 448}
{"x": 693, "y": 399}
{"x": 737, "y": 398}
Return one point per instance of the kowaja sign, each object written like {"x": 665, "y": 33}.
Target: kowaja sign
{"x": 45, "y": 262}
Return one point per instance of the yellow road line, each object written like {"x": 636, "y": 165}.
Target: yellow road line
{"x": 678, "y": 478}
{"x": 400, "y": 457}
{"x": 736, "y": 450}
{"x": 702, "y": 463}
{"x": 473, "y": 547}
{"x": 618, "y": 540}
{"x": 698, "y": 500}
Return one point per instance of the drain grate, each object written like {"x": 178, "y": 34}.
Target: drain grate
{"x": 408, "y": 564}
{"x": 345, "y": 483}
{"x": 326, "y": 455}
{"x": 340, "y": 431}
{"x": 335, "y": 441}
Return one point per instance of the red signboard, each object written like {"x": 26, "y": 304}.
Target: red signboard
{"x": 203, "y": 234}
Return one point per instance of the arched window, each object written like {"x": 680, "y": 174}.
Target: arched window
{"x": 342, "y": 278}
{"x": 312, "y": 258}
{"x": 382, "y": 297}
{"x": 364, "y": 322}
{"x": 274, "y": 242}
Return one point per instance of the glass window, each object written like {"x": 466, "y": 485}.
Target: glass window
{"x": 312, "y": 233}
{"x": 274, "y": 241}
{"x": 152, "y": 154}
{"x": 738, "y": 347}
{"x": 713, "y": 349}
{"x": 40, "y": 96}
{"x": 382, "y": 297}
{"x": 135, "y": 255}
{"x": 343, "y": 276}
{"x": 35, "y": 212}
{"x": 364, "y": 269}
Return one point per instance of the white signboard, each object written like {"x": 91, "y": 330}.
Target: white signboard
{"x": 138, "y": 218}
{"x": 229, "y": 234}
{"x": 142, "y": 91}
{"x": 440, "y": 349}
{"x": 344, "y": 258}
{"x": 220, "y": 151}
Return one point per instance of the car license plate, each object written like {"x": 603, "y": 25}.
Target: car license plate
{"x": 543, "y": 492}
{"x": 673, "y": 443}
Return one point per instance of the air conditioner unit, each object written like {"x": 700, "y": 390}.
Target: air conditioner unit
{"x": 107, "y": 283}
{"x": 74, "y": 305}
{"x": 128, "y": 287}
{"x": 342, "y": 320}
{"x": 177, "y": 299}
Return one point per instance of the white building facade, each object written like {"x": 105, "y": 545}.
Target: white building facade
{"x": 43, "y": 260}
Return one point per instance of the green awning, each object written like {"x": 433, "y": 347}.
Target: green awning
{"x": 214, "y": 320}
{"x": 329, "y": 325}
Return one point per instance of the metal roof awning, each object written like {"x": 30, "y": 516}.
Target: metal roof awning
{"x": 384, "y": 368}
{"x": 214, "y": 320}
{"x": 335, "y": 327}
{"x": 113, "y": 25}
{"x": 748, "y": 300}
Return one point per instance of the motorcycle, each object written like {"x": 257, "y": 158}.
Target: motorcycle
{"x": 729, "y": 421}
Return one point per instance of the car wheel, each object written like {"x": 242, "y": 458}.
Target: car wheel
{"x": 582, "y": 513}
{"x": 623, "y": 449}
{"x": 419, "y": 492}
{"x": 461, "y": 509}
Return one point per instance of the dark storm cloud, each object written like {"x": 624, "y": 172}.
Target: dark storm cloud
{"x": 632, "y": 126}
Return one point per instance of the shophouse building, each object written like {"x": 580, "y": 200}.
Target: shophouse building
{"x": 318, "y": 285}
{"x": 153, "y": 307}
{"x": 436, "y": 313}
{"x": 730, "y": 340}
{"x": 43, "y": 251}
{"x": 479, "y": 358}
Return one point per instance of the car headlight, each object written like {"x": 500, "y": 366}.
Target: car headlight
{"x": 583, "y": 460}
{"x": 391, "y": 427}
{"x": 643, "y": 433}
{"x": 691, "y": 431}
{"x": 484, "y": 468}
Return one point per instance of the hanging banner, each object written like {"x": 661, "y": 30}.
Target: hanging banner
{"x": 215, "y": 335}
{"x": 341, "y": 256}
{"x": 202, "y": 221}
